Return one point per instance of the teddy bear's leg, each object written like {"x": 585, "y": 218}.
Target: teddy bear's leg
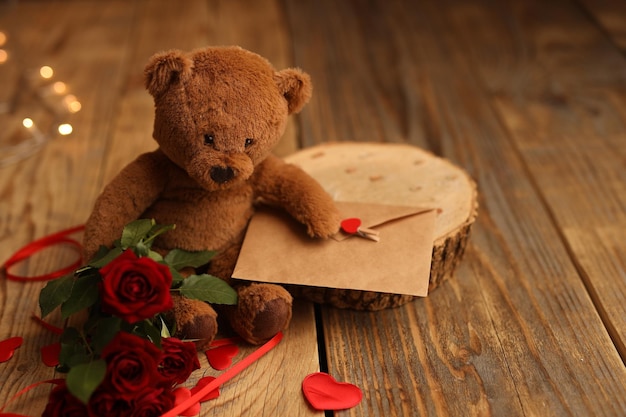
{"x": 194, "y": 320}
{"x": 262, "y": 310}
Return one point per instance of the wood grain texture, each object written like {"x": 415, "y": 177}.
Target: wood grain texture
{"x": 53, "y": 190}
{"x": 568, "y": 129}
{"x": 610, "y": 16}
{"x": 272, "y": 385}
{"x": 530, "y": 296}
{"x": 528, "y": 96}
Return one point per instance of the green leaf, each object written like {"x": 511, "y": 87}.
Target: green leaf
{"x": 177, "y": 277}
{"x": 155, "y": 256}
{"x": 208, "y": 288}
{"x": 148, "y": 330}
{"x": 73, "y": 351}
{"x": 82, "y": 380}
{"x": 84, "y": 294}
{"x": 141, "y": 249}
{"x": 102, "y": 251}
{"x": 159, "y": 229}
{"x": 70, "y": 335}
{"x": 179, "y": 259}
{"x": 103, "y": 332}
{"x": 73, "y": 355}
{"x": 102, "y": 261}
{"x": 55, "y": 293}
{"x": 135, "y": 232}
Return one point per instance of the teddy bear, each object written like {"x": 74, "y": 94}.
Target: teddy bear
{"x": 219, "y": 111}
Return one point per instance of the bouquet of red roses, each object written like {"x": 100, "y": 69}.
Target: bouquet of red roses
{"x": 123, "y": 361}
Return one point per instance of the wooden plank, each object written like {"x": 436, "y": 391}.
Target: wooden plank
{"x": 52, "y": 190}
{"x": 273, "y": 383}
{"x": 516, "y": 333}
{"x": 610, "y": 15}
{"x": 568, "y": 129}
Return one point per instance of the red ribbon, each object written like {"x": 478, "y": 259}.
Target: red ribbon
{"x": 226, "y": 376}
{"x": 24, "y": 391}
{"x": 59, "y": 238}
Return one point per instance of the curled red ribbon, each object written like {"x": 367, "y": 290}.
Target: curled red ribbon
{"x": 24, "y": 391}
{"x": 59, "y": 238}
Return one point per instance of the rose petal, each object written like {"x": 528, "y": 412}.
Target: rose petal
{"x": 221, "y": 357}
{"x": 8, "y": 346}
{"x": 50, "y": 354}
{"x": 203, "y": 382}
{"x": 323, "y": 392}
{"x": 182, "y": 394}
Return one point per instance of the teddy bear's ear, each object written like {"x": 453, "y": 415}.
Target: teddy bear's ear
{"x": 164, "y": 69}
{"x": 295, "y": 85}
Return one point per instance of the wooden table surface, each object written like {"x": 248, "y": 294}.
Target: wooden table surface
{"x": 528, "y": 96}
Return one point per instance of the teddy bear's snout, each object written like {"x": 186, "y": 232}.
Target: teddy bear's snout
{"x": 221, "y": 174}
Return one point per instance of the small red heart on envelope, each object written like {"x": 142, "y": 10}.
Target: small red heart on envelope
{"x": 8, "y": 346}
{"x": 351, "y": 226}
{"x": 323, "y": 392}
{"x": 221, "y": 357}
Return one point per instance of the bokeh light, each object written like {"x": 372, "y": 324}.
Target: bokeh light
{"x": 46, "y": 72}
{"x": 65, "y": 129}
{"x": 59, "y": 87}
{"x": 28, "y": 123}
{"x": 72, "y": 103}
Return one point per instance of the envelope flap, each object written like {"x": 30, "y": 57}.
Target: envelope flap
{"x": 373, "y": 215}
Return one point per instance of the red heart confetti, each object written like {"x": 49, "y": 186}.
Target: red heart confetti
{"x": 50, "y": 354}
{"x": 203, "y": 382}
{"x": 351, "y": 226}
{"x": 323, "y": 392}
{"x": 221, "y": 357}
{"x": 182, "y": 394}
{"x": 8, "y": 346}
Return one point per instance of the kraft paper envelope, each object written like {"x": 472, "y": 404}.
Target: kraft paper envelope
{"x": 277, "y": 249}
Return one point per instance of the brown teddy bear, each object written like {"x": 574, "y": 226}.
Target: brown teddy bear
{"x": 219, "y": 112}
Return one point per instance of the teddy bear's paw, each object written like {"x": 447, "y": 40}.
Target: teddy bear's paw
{"x": 324, "y": 226}
{"x": 194, "y": 320}
{"x": 263, "y": 310}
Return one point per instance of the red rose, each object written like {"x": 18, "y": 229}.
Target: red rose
{"x": 135, "y": 288}
{"x": 179, "y": 360}
{"x": 105, "y": 401}
{"x": 62, "y": 403}
{"x": 152, "y": 402}
{"x": 131, "y": 364}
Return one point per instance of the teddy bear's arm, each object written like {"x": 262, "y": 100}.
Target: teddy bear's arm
{"x": 124, "y": 199}
{"x": 301, "y": 196}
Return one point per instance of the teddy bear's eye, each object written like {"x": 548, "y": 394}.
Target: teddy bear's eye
{"x": 209, "y": 140}
{"x": 249, "y": 142}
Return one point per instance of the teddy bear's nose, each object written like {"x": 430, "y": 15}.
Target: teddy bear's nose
{"x": 222, "y": 174}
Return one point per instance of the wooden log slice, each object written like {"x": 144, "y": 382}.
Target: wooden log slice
{"x": 395, "y": 174}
